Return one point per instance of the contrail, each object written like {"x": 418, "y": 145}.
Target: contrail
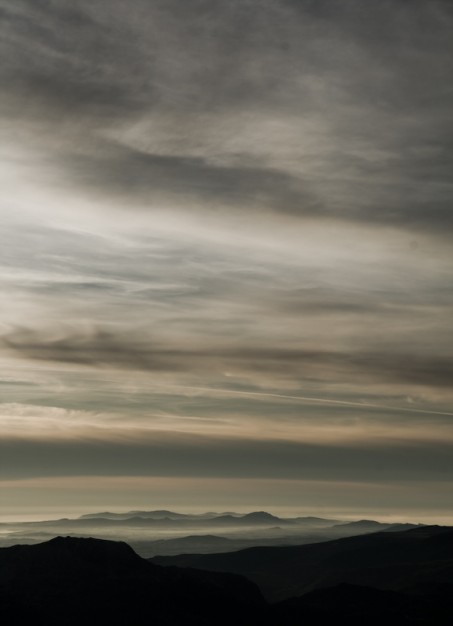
{"x": 307, "y": 399}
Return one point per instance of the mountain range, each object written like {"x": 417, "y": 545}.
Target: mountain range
{"x": 403, "y": 578}
{"x": 75, "y": 581}
{"x": 386, "y": 560}
{"x": 163, "y": 532}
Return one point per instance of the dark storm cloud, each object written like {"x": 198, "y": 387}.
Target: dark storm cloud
{"x": 61, "y": 61}
{"x": 184, "y": 455}
{"x": 371, "y": 85}
{"x": 153, "y": 177}
{"x": 139, "y": 352}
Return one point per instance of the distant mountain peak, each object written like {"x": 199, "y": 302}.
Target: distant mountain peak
{"x": 260, "y": 515}
{"x": 160, "y": 514}
{"x": 368, "y": 523}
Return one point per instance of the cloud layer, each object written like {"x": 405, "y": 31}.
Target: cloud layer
{"x": 227, "y": 231}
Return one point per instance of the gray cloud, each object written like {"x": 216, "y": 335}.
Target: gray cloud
{"x": 361, "y": 99}
{"x": 209, "y": 206}
{"x": 156, "y": 178}
{"x": 184, "y": 455}
{"x": 138, "y": 352}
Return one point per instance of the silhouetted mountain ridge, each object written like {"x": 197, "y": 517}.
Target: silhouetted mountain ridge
{"x": 386, "y": 560}
{"x": 254, "y": 517}
{"x": 157, "y": 515}
{"x": 364, "y": 522}
{"x": 90, "y": 581}
{"x": 356, "y": 605}
{"x": 69, "y": 558}
{"x": 69, "y": 581}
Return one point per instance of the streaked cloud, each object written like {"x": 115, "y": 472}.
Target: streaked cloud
{"x": 226, "y": 241}
{"x": 99, "y": 348}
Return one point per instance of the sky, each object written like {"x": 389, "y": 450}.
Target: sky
{"x": 226, "y": 257}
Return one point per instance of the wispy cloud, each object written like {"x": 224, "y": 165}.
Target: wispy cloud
{"x": 331, "y": 111}
{"x": 138, "y": 352}
{"x": 222, "y": 219}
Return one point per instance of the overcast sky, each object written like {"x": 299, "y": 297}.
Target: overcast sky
{"x": 226, "y": 256}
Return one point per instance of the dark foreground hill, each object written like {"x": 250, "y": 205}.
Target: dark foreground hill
{"x": 355, "y": 605}
{"x": 396, "y": 561}
{"x": 69, "y": 581}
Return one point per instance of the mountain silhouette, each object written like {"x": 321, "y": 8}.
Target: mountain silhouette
{"x": 69, "y": 581}
{"x": 370, "y": 526}
{"x": 157, "y": 515}
{"x": 385, "y": 560}
{"x": 356, "y": 605}
{"x": 256, "y": 518}
{"x": 162, "y": 519}
{"x": 72, "y": 581}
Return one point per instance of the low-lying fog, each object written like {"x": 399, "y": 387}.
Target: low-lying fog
{"x": 153, "y": 533}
